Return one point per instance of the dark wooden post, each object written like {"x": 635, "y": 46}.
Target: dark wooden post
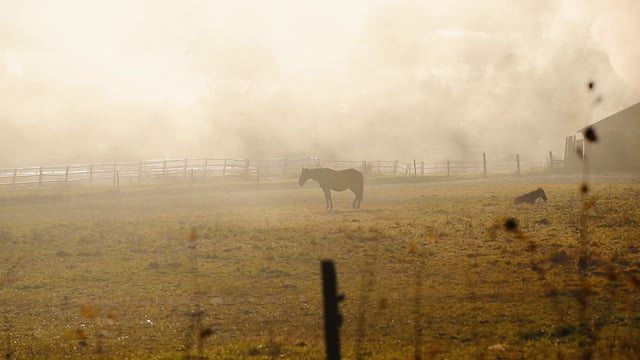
{"x": 518, "y": 164}
{"x": 484, "y": 164}
{"x": 332, "y": 317}
{"x": 415, "y": 169}
{"x": 551, "y": 159}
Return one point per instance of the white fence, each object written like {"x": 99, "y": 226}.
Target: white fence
{"x": 201, "y": 170}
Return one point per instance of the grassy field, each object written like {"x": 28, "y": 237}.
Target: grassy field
{"x": 433, "y": 269}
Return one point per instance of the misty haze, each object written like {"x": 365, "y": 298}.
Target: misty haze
{"x": 88, "y": 81}
{"x": 174, "y": 173}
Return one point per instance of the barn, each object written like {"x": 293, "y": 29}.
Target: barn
{"x": 617, "y": 145}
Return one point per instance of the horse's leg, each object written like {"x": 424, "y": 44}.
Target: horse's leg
{"x": 358, "y": 199}
{"x": 356, "y": 203}
{"x": 327, "y": 198}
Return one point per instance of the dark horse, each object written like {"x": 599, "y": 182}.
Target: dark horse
{"x": 530, "y": 198}
{"x": 338, "y": 180}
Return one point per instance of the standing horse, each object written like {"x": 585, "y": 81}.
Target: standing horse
{"x": 530, "y": 198}
{"x": 338, "y": 180}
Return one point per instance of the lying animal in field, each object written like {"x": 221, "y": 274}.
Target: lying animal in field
{"x": 340, "y": 180}
{"x": 530, "y": 198}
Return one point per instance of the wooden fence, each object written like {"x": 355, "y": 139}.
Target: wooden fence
{"x": 200, "y": 170}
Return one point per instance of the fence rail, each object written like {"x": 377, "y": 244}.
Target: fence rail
{"x": 200, "y": 170}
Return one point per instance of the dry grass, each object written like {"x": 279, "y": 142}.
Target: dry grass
{"x": 227, "y": 273}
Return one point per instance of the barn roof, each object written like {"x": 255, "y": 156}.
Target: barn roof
{"x": 625, "y": 119}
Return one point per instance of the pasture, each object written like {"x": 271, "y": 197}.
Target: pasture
{"x": 430, "y": 270}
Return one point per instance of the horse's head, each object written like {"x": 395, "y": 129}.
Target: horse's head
{"x": 542, "y": 194}
{"x": 304, "y": 176}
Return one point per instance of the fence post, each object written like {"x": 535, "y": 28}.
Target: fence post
{"x": 184, "y": 170}
{"x": 484, "y": 164}
{"x": 395, "y": 166}
{"x": 518, "y": 164}
{"x": 117, "y": 180}
{"x": 115, "y": 175}
{"x": 551, "y": 159}
{"x": 40, "y": 176}
{"x": 90, "y": 175}
{"x": 224, "y": 168}
{"x": 66, "y": 176}
{"x": 285, "y": 168}
{"x": 267, "y": 169}
{"x": 13, "y": 180}
{"x": 332, "y": 316}
{"x": 448, "y": 168}
{"x": 415, "y": 169}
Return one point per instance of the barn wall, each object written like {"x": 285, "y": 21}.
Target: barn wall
{"x": 614, "y": 151}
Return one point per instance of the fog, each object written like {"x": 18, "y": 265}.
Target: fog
{"x": 85, "y": 81}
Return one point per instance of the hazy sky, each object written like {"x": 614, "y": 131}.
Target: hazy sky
{"x": 93, "y": 80}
